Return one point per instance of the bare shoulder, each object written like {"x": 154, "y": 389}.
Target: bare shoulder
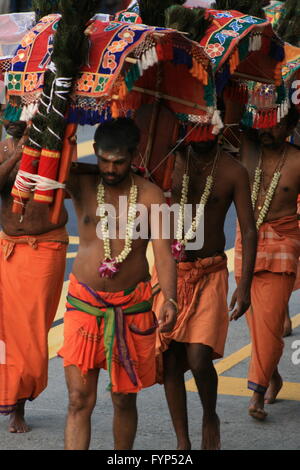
{"x": 294, "y": 152}
{"x": 150, "y": 192}
{"x": 232, "y": 168}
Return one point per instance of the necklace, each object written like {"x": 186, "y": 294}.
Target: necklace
{"x": 178, "y": 247}
{"x": 270, "y": 192}
{"x": 110, "y": 266}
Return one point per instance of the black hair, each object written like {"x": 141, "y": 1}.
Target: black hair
{"x": 121, "y": 132}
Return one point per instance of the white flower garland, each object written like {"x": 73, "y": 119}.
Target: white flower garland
{"x": 132, "y": 210}
{"x": 270, "y": 193}
{"x": 191, "y": 233}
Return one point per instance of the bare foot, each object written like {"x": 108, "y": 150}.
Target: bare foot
{"x": 256, "y": 407}
{"x": 211, "y": 433}
{"x": 184, "y": 446}
{"x": 273, "y": 390}
{"x": 17, "y": 423}
{"x": 288, "y": 329}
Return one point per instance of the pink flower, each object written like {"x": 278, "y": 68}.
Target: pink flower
{"x": 214, "y": 50}
{"x": 178, "y": 251}
{"x": 109, "y": 268}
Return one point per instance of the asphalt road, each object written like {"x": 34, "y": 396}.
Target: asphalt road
{"x": 46, "y": 415}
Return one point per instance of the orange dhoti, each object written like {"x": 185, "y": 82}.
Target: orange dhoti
{"x": 114, "y": 331}
{"x": 202, "y": 289}
{"x": 32, "y": 274}
{"x": 273, "y": 282}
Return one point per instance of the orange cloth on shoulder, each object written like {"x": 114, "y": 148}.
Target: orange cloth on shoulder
{"x": 31, "y": 279}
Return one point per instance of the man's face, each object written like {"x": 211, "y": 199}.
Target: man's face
{"x": 202, "y": 148}
{"x": 114, "y": 166}
{"x": 275, "y": 136}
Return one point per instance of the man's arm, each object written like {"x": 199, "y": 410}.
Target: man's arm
{"x": 243, "y": 204}
{"x": 165, "y": 265}
{"x": 7, "y": 165}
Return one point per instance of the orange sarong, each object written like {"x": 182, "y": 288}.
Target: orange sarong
{"x": 275, "y": 272}
{"x": 202, "y": 289}
{"x": 31, "y": 278}
{"x": 114, "y": 331}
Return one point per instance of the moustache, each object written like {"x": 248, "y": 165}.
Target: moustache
{"x": 109, "y": 175}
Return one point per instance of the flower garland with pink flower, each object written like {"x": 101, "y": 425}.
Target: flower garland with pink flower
{"x": 179, "y": 245}
{"x": 111, "y": 266}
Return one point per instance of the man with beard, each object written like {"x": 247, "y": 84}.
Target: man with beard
{"x": 109, "y": 321}
{"x": 216, "y": 180}
{"x": 274, "y": 170}
{"x": 32, "y": 265}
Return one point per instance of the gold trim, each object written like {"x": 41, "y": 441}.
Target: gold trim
{"x": 41, "y": 198}
{"x": 20, "y": 194}
{"x": 50, "y": 154}
{"x": 31, "y": 152}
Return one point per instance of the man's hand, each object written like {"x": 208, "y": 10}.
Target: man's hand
{"x": 167, "y": 317}
{"x": 240, "y": 299}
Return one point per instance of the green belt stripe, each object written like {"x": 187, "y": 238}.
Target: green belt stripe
{"x": 142, "y": 307}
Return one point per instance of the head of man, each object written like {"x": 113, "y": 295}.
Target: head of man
{"x": 115, "y": 146}
{"x": 201, "y": 149}
{"x": 16, "y": 129}
{"x": 276, "y": 136}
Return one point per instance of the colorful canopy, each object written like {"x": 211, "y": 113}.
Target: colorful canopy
{"x": 274, "y": 12}
{"x": 129, "y": 65}
{"x": 235, "y": 43}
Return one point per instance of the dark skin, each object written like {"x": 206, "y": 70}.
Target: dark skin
{"x": 231, "y": 185}
{"x": 271, "y": 145}
{"x": 35, "y": 222}
{"x": 115, "y": 170}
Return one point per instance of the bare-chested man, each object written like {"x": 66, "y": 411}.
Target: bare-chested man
{"x": 266, "y": 155}
{"x": 32, "y": 266}
{"x": 200, "y": 333}
{"x": 109, "y": 322}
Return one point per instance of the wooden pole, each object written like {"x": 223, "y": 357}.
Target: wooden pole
{"x": 64, "y": 170}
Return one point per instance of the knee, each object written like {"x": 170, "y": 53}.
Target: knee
{"x": 124, "y": 402}
{"x": 201, "y": 368}
{"x": 81, "y": 402}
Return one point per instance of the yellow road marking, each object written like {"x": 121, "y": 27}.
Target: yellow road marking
{"x": 238, "y": 387}
{"x": 55, "y": 338}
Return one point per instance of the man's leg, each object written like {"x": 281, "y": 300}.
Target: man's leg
{"x": 270, "y": 294}
{"x": 125, "y": 420}
{"x": 17, "y": 423}
{"x": 82, "y": 400}
{"x": 200, "y": 360}
{"x": 173, "y": 360}
{"x": 274, "y": 388}
{"x": 287, "y": 324}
